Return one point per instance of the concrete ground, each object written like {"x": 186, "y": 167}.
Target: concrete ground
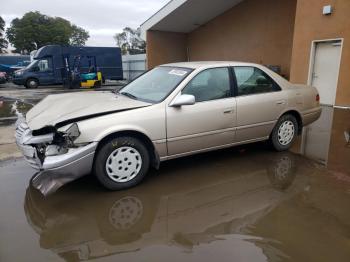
{"x": 247, "y": 203}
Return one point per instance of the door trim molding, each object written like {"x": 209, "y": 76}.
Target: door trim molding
{"x": 212, "y": 148}
{"x": 312, "y": 59}
{"x": 208, "y": 133}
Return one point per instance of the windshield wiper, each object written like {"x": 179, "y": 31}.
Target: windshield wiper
{"x": 129, "y": 95}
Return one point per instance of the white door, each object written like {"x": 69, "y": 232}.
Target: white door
{"x": 326, "y": 70}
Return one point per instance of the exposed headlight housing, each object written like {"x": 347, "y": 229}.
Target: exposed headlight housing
{"x": 72, "y": 132}
{"x": 53, "y": 150}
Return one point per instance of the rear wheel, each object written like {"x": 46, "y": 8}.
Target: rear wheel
{"x": 32, "y": 83}
{"x": 284, "y": 133}
{"x": 121, "y": 163}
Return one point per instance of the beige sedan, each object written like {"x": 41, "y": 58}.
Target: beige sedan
{"x": 171, "y": 111}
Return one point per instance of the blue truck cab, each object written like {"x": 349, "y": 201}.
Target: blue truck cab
{"x": 49, "y": 65}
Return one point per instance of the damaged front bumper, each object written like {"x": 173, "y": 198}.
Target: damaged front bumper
{"x": 54, "y": 170}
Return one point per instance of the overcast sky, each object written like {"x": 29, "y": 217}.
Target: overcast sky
{"x": 102, "y": 18}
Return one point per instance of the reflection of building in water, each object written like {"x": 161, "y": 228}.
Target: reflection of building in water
{"x": 316, "y": 138}
{"x": 184, "y": 209}
{"x": 324, "y": 140}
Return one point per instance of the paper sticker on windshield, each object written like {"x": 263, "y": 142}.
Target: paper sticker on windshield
{"x": 177, "y": 72}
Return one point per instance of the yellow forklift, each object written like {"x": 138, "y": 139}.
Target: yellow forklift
{"x": 79, "y": 76}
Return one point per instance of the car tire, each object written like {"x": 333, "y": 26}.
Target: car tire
{"x": 32, "y": 83}
{"x": 284, "y": 133}
{"x": 121, "y": 163}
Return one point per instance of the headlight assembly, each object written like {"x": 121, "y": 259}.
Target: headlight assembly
{"x": 73, "y": 132}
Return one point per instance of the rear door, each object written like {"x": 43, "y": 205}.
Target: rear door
{"x": 210, "y": 122}
{"x": 259, "y": 103}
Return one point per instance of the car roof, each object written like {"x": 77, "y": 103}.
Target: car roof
{"x": 200, "y": 64}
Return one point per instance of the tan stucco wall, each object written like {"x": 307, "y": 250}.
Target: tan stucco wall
{"x": 259, "y": 31}
{"x": 165, "y": 47}
{"x": 311, "y": 25}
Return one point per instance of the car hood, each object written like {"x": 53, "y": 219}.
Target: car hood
{"x": 57, "y": 109}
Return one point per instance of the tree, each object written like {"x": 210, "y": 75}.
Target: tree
{"x": 78, "y": 36}
{"x": 3, "y": 42}
{"x": 130, "y": 41}
{"x": 35, "y": 30}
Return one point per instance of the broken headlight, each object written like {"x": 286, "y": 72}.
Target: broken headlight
{"x": 63, "y": 141}
{"x": 72, "y": 132}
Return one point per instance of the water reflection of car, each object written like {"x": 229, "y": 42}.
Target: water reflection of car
{"x": 3, "y": 78}
{"x": 182, "y": 206}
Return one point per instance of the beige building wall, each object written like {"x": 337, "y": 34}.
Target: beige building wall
{"x": 165, "y": 47}
{"x": 311, "y": 24}
{"x": 259, "y": 31}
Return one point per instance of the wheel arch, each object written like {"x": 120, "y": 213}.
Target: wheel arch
{"x": 155, "y": 160}
{"x": 297, "y": 116}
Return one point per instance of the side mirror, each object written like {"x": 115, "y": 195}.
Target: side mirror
{"x": 183, "y": 100}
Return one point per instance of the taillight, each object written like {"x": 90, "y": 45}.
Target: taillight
{"x": 317, "y": 98}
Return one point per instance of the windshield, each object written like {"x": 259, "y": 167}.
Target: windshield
{"x": 155, "y": 85}
{"x": 31, "y": 64}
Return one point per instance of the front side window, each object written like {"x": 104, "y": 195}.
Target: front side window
{"x": 42, "y": 65}
{"x": 210, "y": 84}
{"x": 155, "y": 85}
{"x": 252, "y": 80}
{"x": 45, "y": 65}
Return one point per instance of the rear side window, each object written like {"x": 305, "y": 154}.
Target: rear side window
{"x": 210, "y": 84}
{"x": 252, "y": 80}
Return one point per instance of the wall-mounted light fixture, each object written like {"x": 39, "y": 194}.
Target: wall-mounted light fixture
{"x": 327, "y": 10}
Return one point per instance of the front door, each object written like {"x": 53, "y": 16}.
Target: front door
{"x": 45, "y": 71}
{"x": 326, "y": 70}
{"x": 210, "y": 122}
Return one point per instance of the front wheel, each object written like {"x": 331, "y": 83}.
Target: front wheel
{"x": 284, "y": 133}
{"x": 121, "y": 163}
{"x": 32, "y": 83}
